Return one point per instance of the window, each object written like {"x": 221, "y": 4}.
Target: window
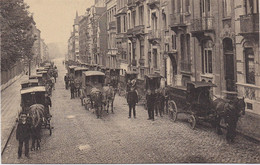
{"x": 187, "y": 5}
{"x": 119, "y": 24}
{"x": 251, "y": 6}
{"x": 141, "y": 15}
{"x": 124, "y": 26}
{"x": 164, "y": 20}
{"x": 207, "y": 57}
{"x": 155, "y": 58}
{"x": 174, "y": 42}
{"x": 205, "y": 7}
{"x": 133, "y": 18}
{"x": 148, "y": 15}
{"x": 129, "y": 21}
{"x": 226, "y": 8}
{"x": 141, "y": 49}
{"x": 154, "y": 21}
{"x": 250, "y": 66}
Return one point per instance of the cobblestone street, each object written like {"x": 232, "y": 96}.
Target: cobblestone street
{"x": 78, "y": 137}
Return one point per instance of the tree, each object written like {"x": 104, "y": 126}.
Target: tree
{"x": 16, "y": 38}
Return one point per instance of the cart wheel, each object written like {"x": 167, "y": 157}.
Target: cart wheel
{"x": 192, "y": 121}
{"x": 173, "y": 111}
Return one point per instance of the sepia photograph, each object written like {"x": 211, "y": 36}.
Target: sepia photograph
{"x": 130, "y": 81}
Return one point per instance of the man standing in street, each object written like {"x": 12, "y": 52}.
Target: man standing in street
{"x": 132, "y": 99}
{"x": 23, "y": 135}
{"x": 72, "y": 89}
{"x": 150, "y": 101}
{"x": 47, "y": 104}
{"x": 66, "y": 79}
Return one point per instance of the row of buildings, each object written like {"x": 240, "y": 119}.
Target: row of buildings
{"x": 40, "y": 49}
{"x": 183, "y": 40}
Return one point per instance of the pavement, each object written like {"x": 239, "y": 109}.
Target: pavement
{"x": 79, "y": 137}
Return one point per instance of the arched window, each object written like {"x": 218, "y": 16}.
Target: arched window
{"x": 249, "y": 65}
{"x": 207, "y": 56}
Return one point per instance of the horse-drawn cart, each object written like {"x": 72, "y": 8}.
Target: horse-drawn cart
{"x": 194, "y": 100}
{"x": 32, "y": 103}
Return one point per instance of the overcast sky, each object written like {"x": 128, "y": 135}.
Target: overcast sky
{"x": 55, "y": 17}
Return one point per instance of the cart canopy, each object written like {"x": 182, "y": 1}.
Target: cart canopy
{"x": 33, "y": 89}
{"x": 93, "y": 73}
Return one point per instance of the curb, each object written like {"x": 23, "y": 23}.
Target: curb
{"x": 9, "y": 137}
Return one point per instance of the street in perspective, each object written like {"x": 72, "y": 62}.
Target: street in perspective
{"x": 130, "y": 81}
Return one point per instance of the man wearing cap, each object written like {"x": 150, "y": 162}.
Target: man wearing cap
{"x": 23, "y": 135}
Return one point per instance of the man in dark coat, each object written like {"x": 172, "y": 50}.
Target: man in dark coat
{"x": 47, "y": 103}
{"x": 72, "y": 89}
{"x": 66, "y": 79}
{"x": 150, "y": 101}
{"x": 23, "y": 135}
{"x": 132, "y": 99}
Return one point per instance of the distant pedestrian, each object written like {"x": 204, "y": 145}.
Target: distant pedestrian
{"x": 157, "y": 101}
{"x": 72, "y": 90}
{"x": 23, "y": 132}
{"x": 66, "y": 79}
{"x": 53, "y": 83}
{"x": 132, "y": 99}
{"x": 150, "y": 101}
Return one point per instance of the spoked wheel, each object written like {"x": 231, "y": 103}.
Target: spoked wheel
{"x": 173, "y": 111}
{"x": 192, "y": 121}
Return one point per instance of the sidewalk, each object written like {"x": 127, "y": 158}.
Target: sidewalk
{"x": 249, "y": 125}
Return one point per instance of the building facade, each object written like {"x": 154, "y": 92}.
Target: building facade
{"x": 121, "y": 37}
{"x": 111, "y": 30}
{"x": 247, "y": 52}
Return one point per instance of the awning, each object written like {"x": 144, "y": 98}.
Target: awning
{"x": 93, "y": 73}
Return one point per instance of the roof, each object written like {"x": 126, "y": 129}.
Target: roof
{"x": 30, "y": 81}
{"x": 72, "y": 66}
{"x": 131, "y": 72}
{"x": 198, "y": 84}
{"x": 33, "y": 89}
{"x": 41, "y": 72}
{"x": 153, "y": 76}
{"x": 35, "y": 76}
{"x": 93, "y": 73}
{"x": 81, "y": 68}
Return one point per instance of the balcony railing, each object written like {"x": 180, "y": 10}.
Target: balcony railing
{"x": 249, "y": 23}
{"x": 112, "y": 25}
{"x": 177, "y": 19}
{"x": 153, "y": 2}
{"x": 202, "y": 24}
{"x": 129, "y": 31}
{"x": 185, "y": 66}
{"x": 138, "y": 29}
{"x": 154, "y": 34}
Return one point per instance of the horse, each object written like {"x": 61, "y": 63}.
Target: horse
{"x": 97, "y": 100}
{"x": 36, "y": 115}
{"x": 230, "y": 111}
{"x": 109, "y": 93}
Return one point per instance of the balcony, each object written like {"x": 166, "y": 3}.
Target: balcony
{"x": 134, "y": 62}
{"x": 202, "y": 24}
{"x": 112, "y": 25}
{"x": 130, "y": 31}
{"x": 138, "y": 29}
{"x": 249, "y": 24}
{"x": 154, "y": 35}
{"x": 185, "y": 66}
{"x": 153, "y": 3}
{"x": 177, "y": 21}
{"x": 131, "y": 4}
{"x": 141, "y": 61}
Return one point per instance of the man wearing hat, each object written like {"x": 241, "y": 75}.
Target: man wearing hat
{"x": 23, "y": 135}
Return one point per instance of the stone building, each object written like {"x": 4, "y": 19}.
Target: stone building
{"x": 121, "y": 37}
{"x": 83, "y": 38}
{"x": 247, "y": 52}
{"x": 111, "y": 30}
